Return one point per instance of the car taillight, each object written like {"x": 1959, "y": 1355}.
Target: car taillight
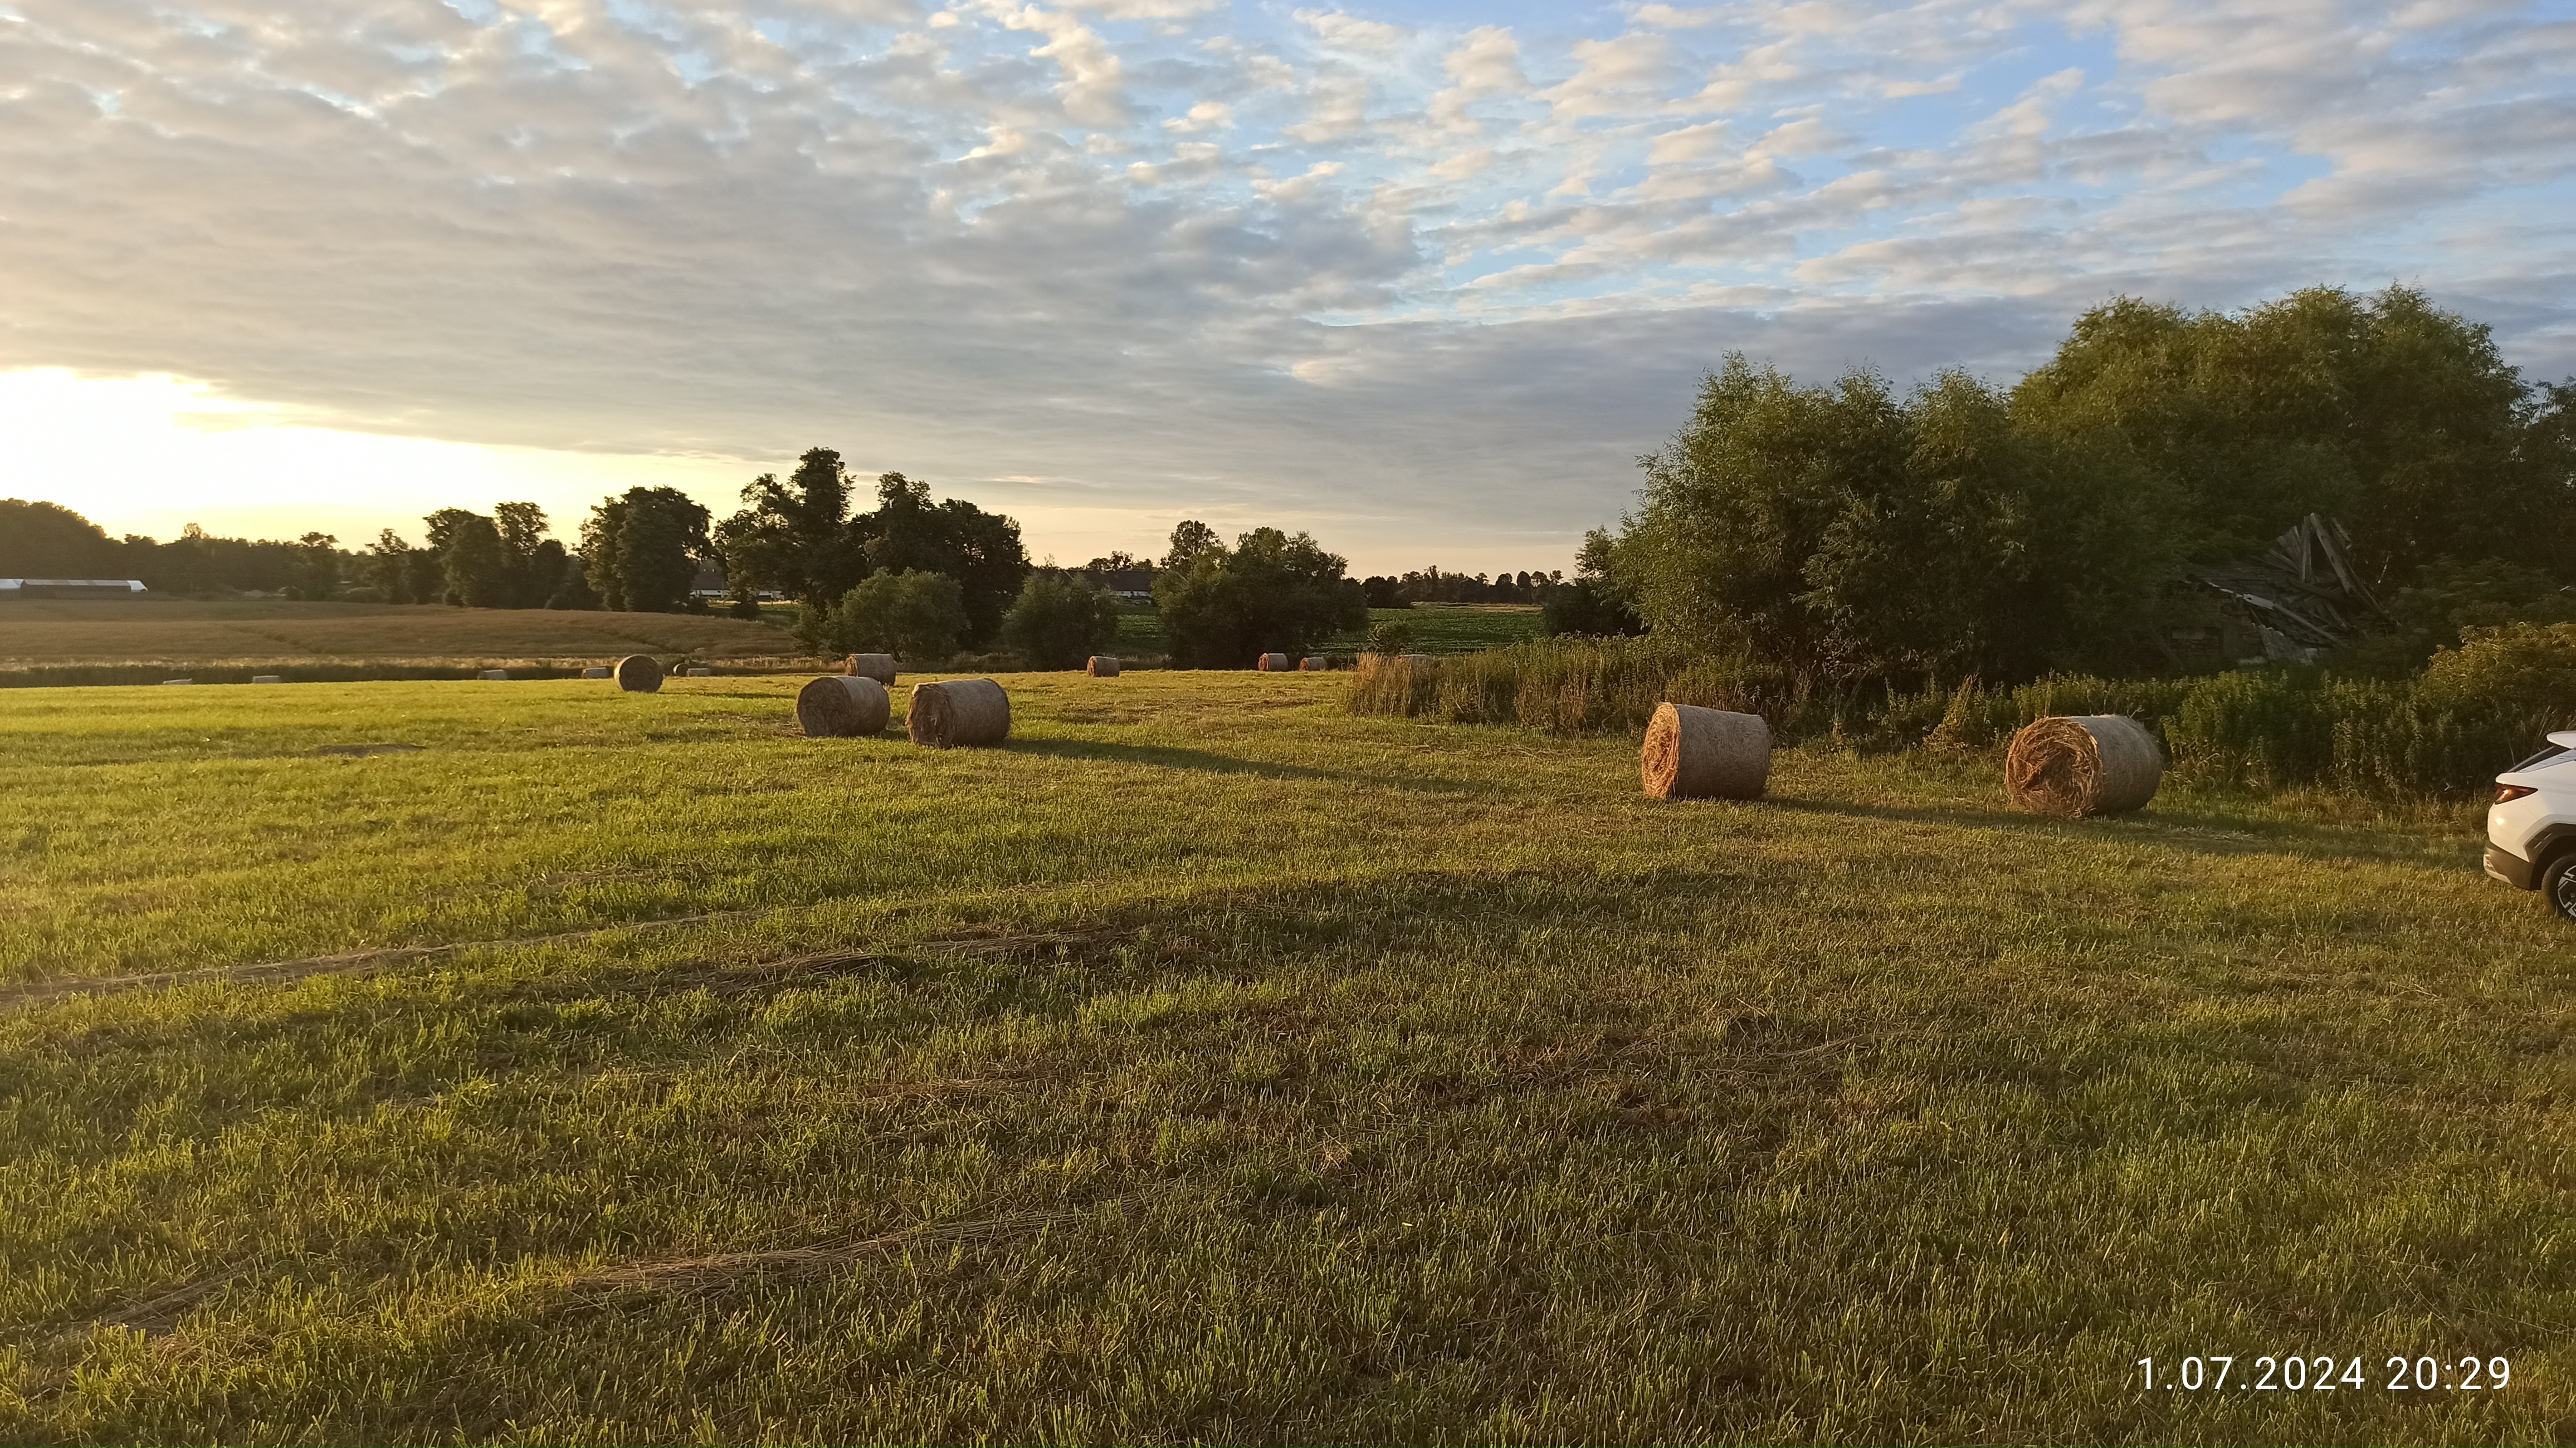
{"x": 2508, "y": 792}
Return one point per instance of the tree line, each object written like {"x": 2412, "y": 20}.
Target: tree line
{"x": 1848, "y": 532}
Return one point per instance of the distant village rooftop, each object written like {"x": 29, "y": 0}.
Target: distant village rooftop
{"x": 70, "y": 588}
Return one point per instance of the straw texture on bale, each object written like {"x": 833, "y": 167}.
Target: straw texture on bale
{"x": 1273, "y": 663}
{"x": 879, "y": 667}
{"x": 843, "y": 706}
{"x": 1311, "y": 666}
{"x": 639, "y": 674}
{"x": 1695, "y": 753}
{"x": 494, "y": 674}
{"x": 1101, "y": 666}
{"x": 958, "y": 712}
{"x": 2083, "y": 765}
{"x": 600, "y": 673}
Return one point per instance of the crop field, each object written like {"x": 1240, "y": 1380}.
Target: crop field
{"x": 531, "y": 1062}
{"x": 1438, "y": 628}
{"x": 173, "y": 633}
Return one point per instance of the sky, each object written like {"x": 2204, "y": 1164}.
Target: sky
{"x": 1421, "y": 278}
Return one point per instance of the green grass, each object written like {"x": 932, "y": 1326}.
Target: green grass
{"x": 1451, "y": 628}
{"x": 1211, "y": 1064}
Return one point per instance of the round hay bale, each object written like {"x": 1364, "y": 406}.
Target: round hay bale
{"x": 2082, "y": 765}
{"x": 493, "y": 674}
{"x": 1273, "y": 664}
{"x": 879, "y": 667}
{"x": 702, "y": 673}
{"x": 600, "y": 673}
{"x": 843, "y": 706}
{"x": 639, "y": 674}
{"x": 959, "y": 711}
{"x": 1314, "y": 665}
{"x": 1695, "y": 753}
{"x": 1101, "y": 666}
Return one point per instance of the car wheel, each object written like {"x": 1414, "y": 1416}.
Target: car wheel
{"x": 2558, "y": 884}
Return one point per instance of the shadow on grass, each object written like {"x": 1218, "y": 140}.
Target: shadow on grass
{"x": 1164, "y": 756}
{"x": 2201, "y": 832}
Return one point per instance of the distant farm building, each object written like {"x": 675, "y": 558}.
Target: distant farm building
{"x": 17, "y": 588}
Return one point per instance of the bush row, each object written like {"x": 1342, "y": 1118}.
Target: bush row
{"x": 2471, "y": 714}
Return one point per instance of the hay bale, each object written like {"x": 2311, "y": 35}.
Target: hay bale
{"x": 595, "y": 673}
{"x": 2087, "y": 765}
{"x": 1314, "y": 665}
{"x": 268, "y": 678}
{"x": 843, "y": 706}
{"x": 959, "y": 711}
{"x": 1695, "y": 753}
{"x": 493, "y": 674}
{"x": 1273, "y": 664}
{"x": 178, "y": 681}
{"x": 639, "y": 674}
{"x": 702, "y": 673}
{"x": 1101, "y": 666}
{"x": 879, "y": 667}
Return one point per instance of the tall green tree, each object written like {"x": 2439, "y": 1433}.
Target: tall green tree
{"x": 317, "y": 568}
{"x": 1843, "y": 533}
{"x": 795, "y": 537}
{"x": 917, "y": 617}
{"x": 1272, "y": 592}
{"x": 473, "y": 565}
{"x": 48, "y": 540}
{"x": 2398, "y": 417}
{"x": 641, "y": 550}
{"x": 909, "y": 531}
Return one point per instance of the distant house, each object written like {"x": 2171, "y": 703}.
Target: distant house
{"x": 1132, "y": 585}
{"x": 12, "y": 588}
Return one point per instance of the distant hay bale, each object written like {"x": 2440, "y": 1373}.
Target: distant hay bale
{"x": 1101, "y": 666}
{"x": 178, "y": 681}
{"x": 493, "y": 674}
{"x": 1273, "y": 664}
{"x": 879, "y": 667}
{"x": 268, "y": 678}
{"x": 595, "y": 673}
{"x": 2082, "y": 765}
{"x": 1695, "y": 753}
{"x": 843, "y": 706}
{"x": 1313, "y": 665}
{"x": 639, "y": 674}
{"x": 702, "y": 673}
{"x": 958, "y": 712}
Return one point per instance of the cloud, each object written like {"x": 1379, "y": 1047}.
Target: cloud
{"x": 1350, "y": 32}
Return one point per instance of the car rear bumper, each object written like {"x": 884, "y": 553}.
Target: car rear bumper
{"x": 2513, "y": 869}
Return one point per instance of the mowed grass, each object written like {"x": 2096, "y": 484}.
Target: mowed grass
{"x": 1209, "y": 1064}
{"x": 179, "y": 633}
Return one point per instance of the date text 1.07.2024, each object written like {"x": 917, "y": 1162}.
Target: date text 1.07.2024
{"x": 2322, "y": 1373}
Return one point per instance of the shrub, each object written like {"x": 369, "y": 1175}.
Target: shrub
{"x": 1391, "y": 637}
{"x": 1060, "y": 620}
{"x": 1271, "y": 593}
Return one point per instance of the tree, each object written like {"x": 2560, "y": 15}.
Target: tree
{"x": 640, "y": 551}
{"x": 1117, "y": 561}
{"x": 1844, "y": 533}
{"x": 2399, "y": 418}
{"x": 473, "y": 566}
{"x": 1270, "y": 593}
{"x": 1190, "y": 538}
{"x": 1060, "y": 620}
{"x": 909, "y": 532}
{"x": 47, "y": 540}
{"x": 917, "y": 617}
{"x": 532, "y": 564}
{"x": 795, "y": 538}
{"x": 317, "y": 567}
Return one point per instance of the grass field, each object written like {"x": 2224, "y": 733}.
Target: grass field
{"x": 1438, "y": 628}
{"x": 1211, "y": 1064}
{"x": 183, "y": 634}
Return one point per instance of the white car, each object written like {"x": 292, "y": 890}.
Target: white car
{"x": 2531, "y": 827}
